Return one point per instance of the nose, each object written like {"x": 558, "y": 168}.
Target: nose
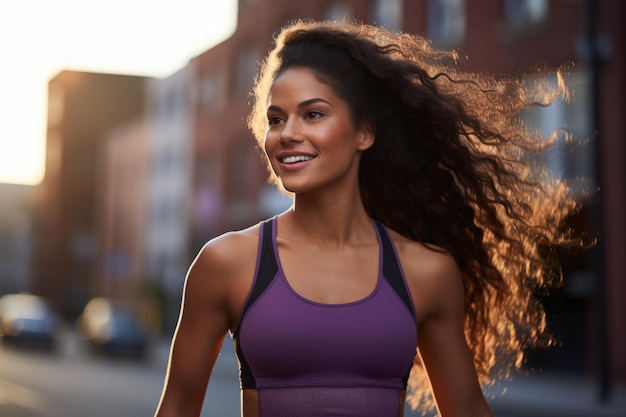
{"x": 291, "y": 131}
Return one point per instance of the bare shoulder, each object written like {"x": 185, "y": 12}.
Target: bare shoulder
{"x": 432, "y": 275}
{"x": 230, "y": 249}
{"x": 224, "y": 262}
{"x": 430, "y": 264}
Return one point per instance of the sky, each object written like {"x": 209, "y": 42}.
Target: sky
{"x": 40, "y": 38}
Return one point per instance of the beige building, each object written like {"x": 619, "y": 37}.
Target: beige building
{"x": 16, "y": 237}
{"x": 120, "y": 211}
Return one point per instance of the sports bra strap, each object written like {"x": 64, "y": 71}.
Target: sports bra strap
{"x": 392, "y": 270}
{"x": 268, "y": 266}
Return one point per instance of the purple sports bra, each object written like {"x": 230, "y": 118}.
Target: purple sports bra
{"x": 308, "y": 359}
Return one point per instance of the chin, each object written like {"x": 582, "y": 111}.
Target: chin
{"x": 295, "y": 188}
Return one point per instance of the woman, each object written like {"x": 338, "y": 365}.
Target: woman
{"x": 412, "y": 250}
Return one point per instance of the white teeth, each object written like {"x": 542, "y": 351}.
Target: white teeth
{"x": 294, "y": 159}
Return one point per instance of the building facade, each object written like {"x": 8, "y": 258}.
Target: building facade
{"x": 120, "y": 212}
{"x": 16, "y": 237}
{"x": 82, "y": 108}
{"x": 168, "y": 216}
{"x": 512, "y": 37}
{"x": 203, "y": 173}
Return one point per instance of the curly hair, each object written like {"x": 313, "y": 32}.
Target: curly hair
{"x": 451, "y": 167}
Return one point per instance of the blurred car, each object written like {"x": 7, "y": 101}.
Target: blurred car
{"x": 112, "y": 330}
{"x": 28, "y": 320}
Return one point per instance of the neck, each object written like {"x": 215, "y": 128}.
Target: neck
{"x": 333, "y": 221}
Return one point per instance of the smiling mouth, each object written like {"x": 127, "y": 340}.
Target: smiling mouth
{"x": 294, "y": 159}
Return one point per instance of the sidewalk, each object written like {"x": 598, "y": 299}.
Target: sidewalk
{"x": 556, "y": 395}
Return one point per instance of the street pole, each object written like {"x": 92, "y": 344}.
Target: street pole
{"x": 598, "y": 260}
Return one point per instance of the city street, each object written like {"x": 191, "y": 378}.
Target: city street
{"x": 73, "y": 383}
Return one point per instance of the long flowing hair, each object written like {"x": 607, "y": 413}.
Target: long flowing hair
{"x": 451, "y": 167}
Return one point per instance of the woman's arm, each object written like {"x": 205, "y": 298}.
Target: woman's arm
{"x": 438, "y": 288}
{"x": 202, "y": 325}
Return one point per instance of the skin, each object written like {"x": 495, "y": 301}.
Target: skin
{"x": 327, "y": 221}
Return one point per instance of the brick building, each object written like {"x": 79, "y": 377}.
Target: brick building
{"x": 227, "y": 188}
{"x": 499, "y": 37}
{"x": 82, "y": 107}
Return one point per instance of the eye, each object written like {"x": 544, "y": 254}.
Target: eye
{"x": 313, "y": 115}
{"x": 274, "y": 120}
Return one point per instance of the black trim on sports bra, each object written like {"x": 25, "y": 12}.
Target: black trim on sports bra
{"x": 268, "y": 267}
{"x": 391, "y": 269}
{"x": 264, "y": 275}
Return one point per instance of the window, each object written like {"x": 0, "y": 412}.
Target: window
{"x": 210, "y": 90}
{"x": 172, "y": 103}
{"x": 521, "y": 13}
{"x": 569, "y": 160}
{"x": 446, "y": 22}
{"x": 338, "y": 10}
{"x": 243, "y": 181}
{"x": 272, "y": 201}
{"x": 247, "y": 63}
{"x": 388, "y": 14}
{"x": 244, "y": 163}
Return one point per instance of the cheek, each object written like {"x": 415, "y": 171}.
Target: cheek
{"x": 268, "y": 143}
{"x": 336, "y": 136}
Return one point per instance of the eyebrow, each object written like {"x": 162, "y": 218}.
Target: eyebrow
{"x": 305, "y": 103}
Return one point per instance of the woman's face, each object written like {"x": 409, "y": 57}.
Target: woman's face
{"x": 310, "y": 139}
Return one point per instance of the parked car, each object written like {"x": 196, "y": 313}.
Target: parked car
{"x": 28, "y": 320}
{"x": 110, "y": 329}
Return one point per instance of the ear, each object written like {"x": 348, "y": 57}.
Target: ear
{"x": 367, "y": 135}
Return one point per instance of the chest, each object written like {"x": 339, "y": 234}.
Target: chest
{"x": 288, "y": 339}
{"x": 330, "y": 277}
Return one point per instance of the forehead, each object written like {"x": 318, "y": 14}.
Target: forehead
{"x": 300, "y": 84}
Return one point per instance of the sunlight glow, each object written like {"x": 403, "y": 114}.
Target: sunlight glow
{"x": 40, "y": 38}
